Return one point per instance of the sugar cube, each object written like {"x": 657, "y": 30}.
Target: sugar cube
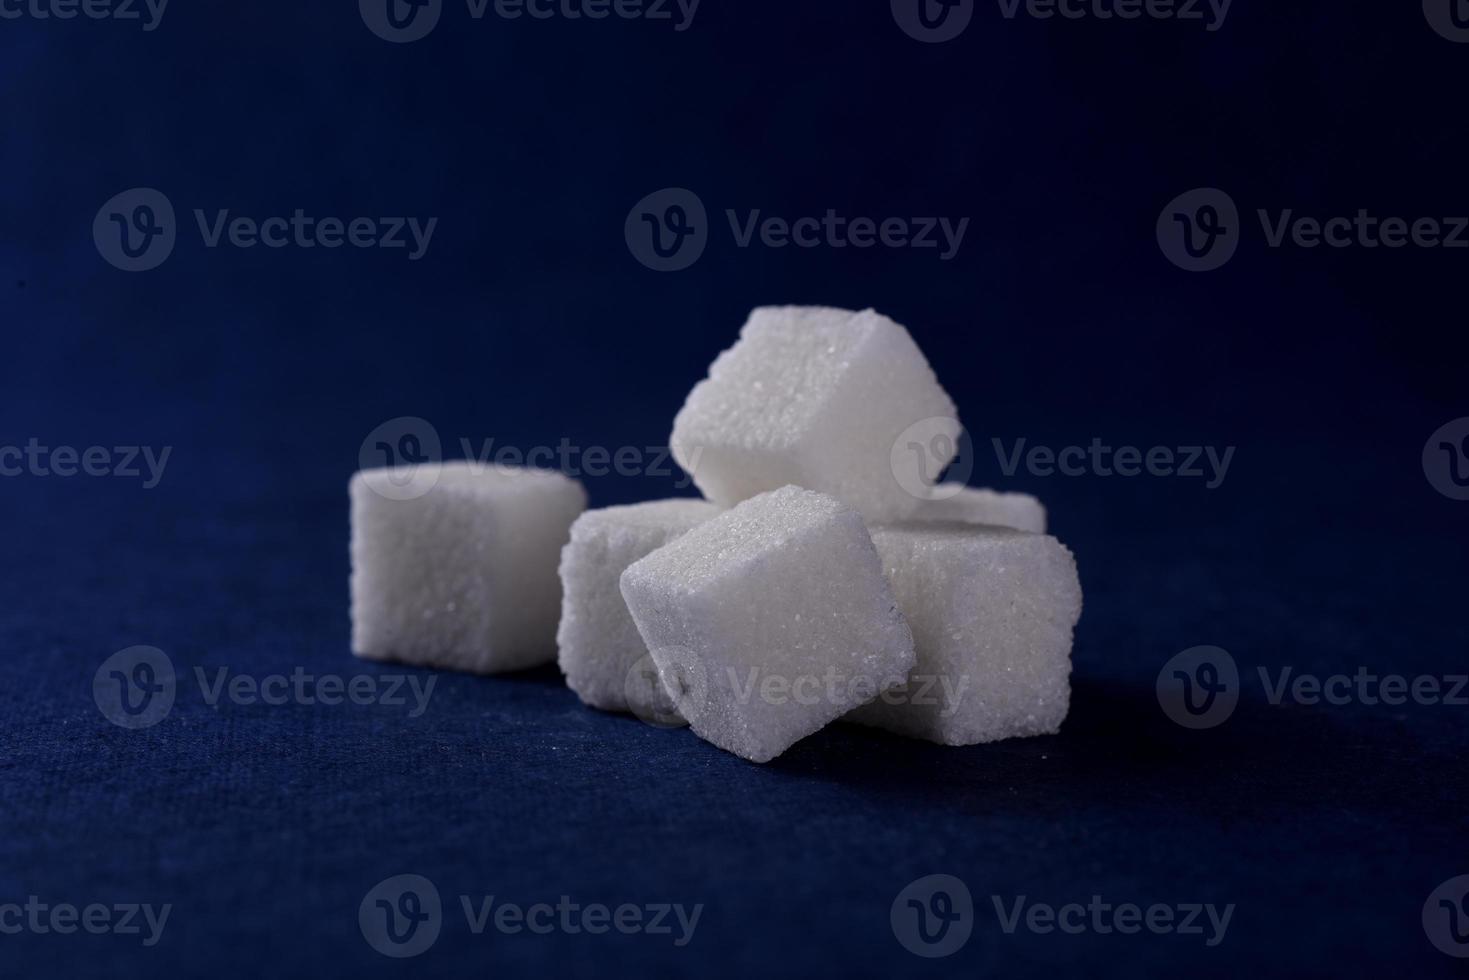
{"x": 598, "y": 647}
{"x": 769, "y": 621}
{"x": 462, "y": 576}
{"x": 822, "y": 398}
{"x": 953, "y": 502}
{"x": 992, "y": 612}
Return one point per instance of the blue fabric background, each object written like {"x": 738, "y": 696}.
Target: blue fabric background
{"x": 528, "y": 321}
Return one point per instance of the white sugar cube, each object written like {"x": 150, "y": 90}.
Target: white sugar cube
{"x": 769, "y": 621}
{"x": 598, "y": 647}
{"x": 462, "y": 573}
{"x": 951, "y": 502}
{"x": 838, "y": 402}
{"x": 992, "y": 612}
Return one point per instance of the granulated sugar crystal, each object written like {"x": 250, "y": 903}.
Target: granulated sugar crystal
{"x": 769, "y": 621}
{"x": 462, "y": 576}
{"x": 598, "y": 647}
{"x": 992, "y": 612}
{"x": 820, "y": 398}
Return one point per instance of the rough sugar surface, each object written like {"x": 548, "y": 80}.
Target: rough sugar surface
{"x": 815, "y": 397}
{"x": 975, "y": 506}
{"x": 992, "y": 612}
{"x": 463, "y": 577}
{"x": 770, "y": 621}
{"x": 598, "y": 646}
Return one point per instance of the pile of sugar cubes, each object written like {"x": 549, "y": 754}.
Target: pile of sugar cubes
{"x": 819, "y": 579}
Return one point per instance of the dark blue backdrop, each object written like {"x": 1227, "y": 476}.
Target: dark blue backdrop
{"x": 529, "y": 320}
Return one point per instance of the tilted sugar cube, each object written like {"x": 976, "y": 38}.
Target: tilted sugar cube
{"x": 992, "y": 612}
{"x": 769, "y": 621}
{"x": 462, "y": 576}
{"x": 598, "y": 647}
{"x": 951, "y": 502}
{"x": 826, "y": 399}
